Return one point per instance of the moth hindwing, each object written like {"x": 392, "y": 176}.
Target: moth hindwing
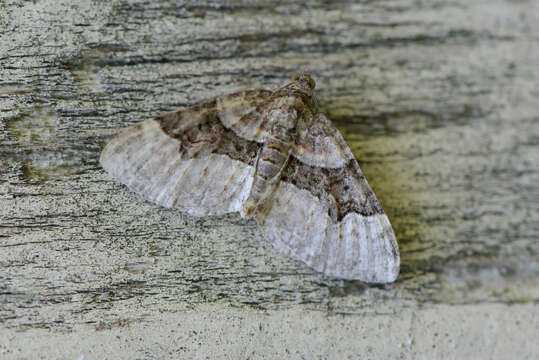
{"x": 273, "y": 156}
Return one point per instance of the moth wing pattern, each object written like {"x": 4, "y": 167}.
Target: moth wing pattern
{"x": 159, "y": 160}
{"x": 321, "y": 144}
{"x": 202, "y": 160}
{"x": 325, "y": 214}
{"x": 356, "y": 247}
{"x": 245, "y": 113}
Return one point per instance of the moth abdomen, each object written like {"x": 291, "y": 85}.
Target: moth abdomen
{"x": 271, "y": 161}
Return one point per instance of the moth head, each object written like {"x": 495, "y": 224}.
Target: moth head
{"x": 304, "y": 80}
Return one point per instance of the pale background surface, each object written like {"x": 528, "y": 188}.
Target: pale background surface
{"x": 438, "y": 100}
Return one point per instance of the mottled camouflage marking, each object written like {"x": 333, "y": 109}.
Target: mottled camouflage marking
{"x": 273, "y": 156}
{"x": 206, "y": 135}
{"x": 210, "y": 136}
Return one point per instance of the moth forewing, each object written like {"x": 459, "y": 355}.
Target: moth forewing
{"x": 270, "y": 155}
{"x": 319, "y": 144}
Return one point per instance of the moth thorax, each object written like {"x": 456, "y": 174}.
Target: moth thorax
{"x": 283, "y": 125}
{"x": 285, "y": 114}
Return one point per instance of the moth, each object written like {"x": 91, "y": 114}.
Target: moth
{"x": 270, "y": 155}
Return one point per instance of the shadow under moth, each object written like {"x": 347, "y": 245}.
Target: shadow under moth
{"x": 272, "y": 156}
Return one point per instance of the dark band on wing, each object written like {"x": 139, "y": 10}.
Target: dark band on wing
{"x": 322, "y": 182}
{"x": 209, "y": 136}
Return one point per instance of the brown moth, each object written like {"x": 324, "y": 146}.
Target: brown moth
{"x": 272, "y": 156}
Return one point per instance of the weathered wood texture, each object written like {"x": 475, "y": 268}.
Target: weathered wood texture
{"x": 438, "y": 100}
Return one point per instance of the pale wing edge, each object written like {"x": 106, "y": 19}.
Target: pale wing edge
{"x": 357, "y": 247}
{"x": 148, "y": 161}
